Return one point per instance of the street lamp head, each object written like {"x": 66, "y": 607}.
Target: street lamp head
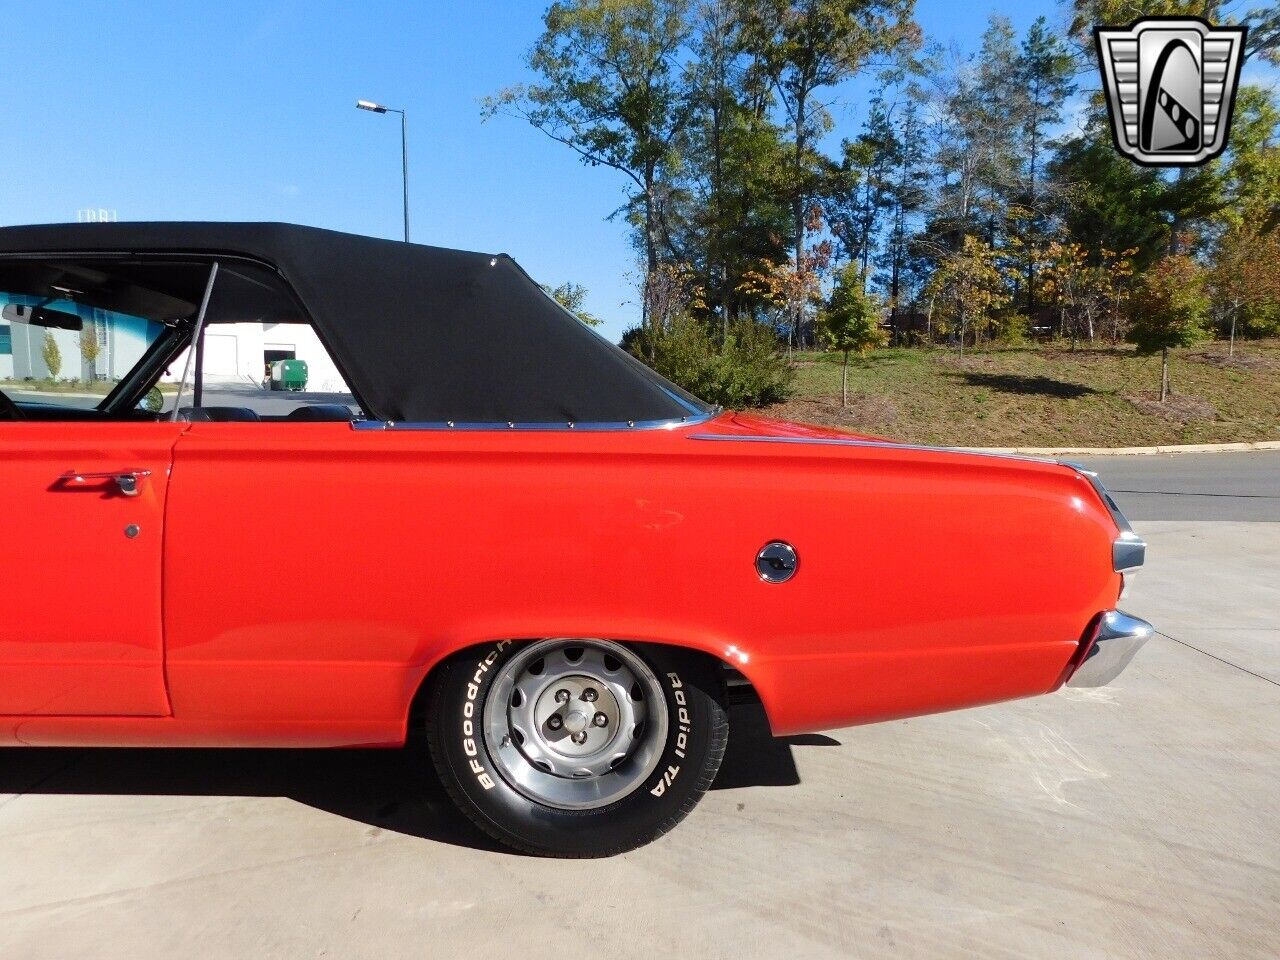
{"x": 370, "y": 105}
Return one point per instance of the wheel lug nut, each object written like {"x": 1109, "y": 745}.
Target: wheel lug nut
{"x": 580, "y": 737}
{"x": 589, "y": 695}
{"x": 554, "y": 721}
{"x": 600, "y": 720}
{"x": 562, "y": 696}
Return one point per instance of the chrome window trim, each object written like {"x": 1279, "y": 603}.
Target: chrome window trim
{"x": 510, "y": 426}
{"x": 875, "y": 444}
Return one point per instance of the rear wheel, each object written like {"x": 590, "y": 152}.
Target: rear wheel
{"x": 577, "y": 748}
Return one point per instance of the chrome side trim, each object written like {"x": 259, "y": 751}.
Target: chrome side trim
{"x": 875, "y": 444}
{"x": 1116, "y": 639}
{"x": 1128, "y": 551}
{"x": 511, "y": 425}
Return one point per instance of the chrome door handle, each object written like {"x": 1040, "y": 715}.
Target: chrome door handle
{"x": 128, "y": 482}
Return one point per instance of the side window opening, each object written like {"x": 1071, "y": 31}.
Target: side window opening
{"x": 71, "y": 331}
{"x": 260, "y": 359}
{"x": 102, "y": 338}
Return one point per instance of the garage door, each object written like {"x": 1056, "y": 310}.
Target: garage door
{"x": 220, "y": 355}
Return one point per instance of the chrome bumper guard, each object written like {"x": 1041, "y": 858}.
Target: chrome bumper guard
{"x": 1115, "y": 640}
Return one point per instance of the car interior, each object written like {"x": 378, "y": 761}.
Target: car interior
{"x": 142, "y": 313}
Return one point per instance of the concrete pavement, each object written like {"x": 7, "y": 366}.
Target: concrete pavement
{"x": 1138, "y": 820}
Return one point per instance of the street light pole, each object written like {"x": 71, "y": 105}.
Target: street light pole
{"x": 404, "y": 150}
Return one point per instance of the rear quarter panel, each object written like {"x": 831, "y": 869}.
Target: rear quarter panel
{"x": 314, "y": 573}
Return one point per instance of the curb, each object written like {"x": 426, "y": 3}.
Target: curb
{"x": 1134, "y": 451}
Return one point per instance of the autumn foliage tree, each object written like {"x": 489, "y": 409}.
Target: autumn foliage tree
{"x": 1169, "y": 309}
{"x": 968, "y": 285}
{"x": 791, "y": 291}
{"x": 1090, "y": 292}
{"x": 1245, "y": 281}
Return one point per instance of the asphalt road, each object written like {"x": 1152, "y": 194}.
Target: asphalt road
{"x": 1194, "y": 486}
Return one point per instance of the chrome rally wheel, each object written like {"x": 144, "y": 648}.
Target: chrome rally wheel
{"x": 576, "y": 747}
{"x": 575, "y": 724}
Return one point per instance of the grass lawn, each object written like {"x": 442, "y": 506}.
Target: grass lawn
{"x": 1045, "y": 395}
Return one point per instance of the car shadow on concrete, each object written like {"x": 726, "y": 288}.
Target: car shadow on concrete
{"x": 755, "y": 757}
{"x": 393, "y": 790}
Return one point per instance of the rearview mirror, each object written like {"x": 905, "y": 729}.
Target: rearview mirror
{"x": 41, "y": 317}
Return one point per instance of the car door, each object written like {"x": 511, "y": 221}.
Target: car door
{"x": 80, "y": 567}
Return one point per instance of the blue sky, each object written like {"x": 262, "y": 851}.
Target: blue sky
{"x": 245, "y": 111}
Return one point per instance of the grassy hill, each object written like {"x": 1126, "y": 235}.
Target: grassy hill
{"x": 1045, "y": 395}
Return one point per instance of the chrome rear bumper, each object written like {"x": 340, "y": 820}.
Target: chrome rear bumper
{"x": 1115, "y": 640}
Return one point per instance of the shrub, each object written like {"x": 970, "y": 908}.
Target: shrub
{"x": 746, "y": 372}
{"x": 1010, "y": 327}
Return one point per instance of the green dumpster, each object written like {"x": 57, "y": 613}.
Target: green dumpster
{"x": 289, "y": 375}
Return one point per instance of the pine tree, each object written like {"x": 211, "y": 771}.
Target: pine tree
{"x": 850, "y": 321}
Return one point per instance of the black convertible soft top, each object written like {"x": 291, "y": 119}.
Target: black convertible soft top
{"x": 424, "y": 334}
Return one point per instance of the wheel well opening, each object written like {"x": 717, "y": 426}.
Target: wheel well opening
{"x": 736, "y": 687}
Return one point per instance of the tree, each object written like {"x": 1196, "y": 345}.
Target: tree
{"x": 90, "y": 349}
{"x": 803, "y": 47}
{"x": 998, "y": 102}
{"x": 571, "y": 296}
{"x": 729, "y": 213}
{"x": 51, "y": 355}
{"x": 1044, "y": 68}
{"x": 1192, "y": 198}
{"x": 851, "y": 321}
{"x": 1087, "y": 289}
{"x": 977, "y": 105}
{"x": 861, "y": 192}
{"x": 610, "y": 90}
{"x": 1169, "y": 309}
{"x": 1108, "y": 202}
{"x": 968, "y": 286}
{"x": 1245, "y": 281}
{"x": 780, "y": 287}
{"x": 1252, "y": 171}
{"x": 908, "y": 194}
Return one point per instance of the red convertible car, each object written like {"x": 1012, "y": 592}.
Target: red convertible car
{"x": 481, "y": 521}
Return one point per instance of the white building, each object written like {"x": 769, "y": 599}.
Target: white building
{"x": 241, "y": 352}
